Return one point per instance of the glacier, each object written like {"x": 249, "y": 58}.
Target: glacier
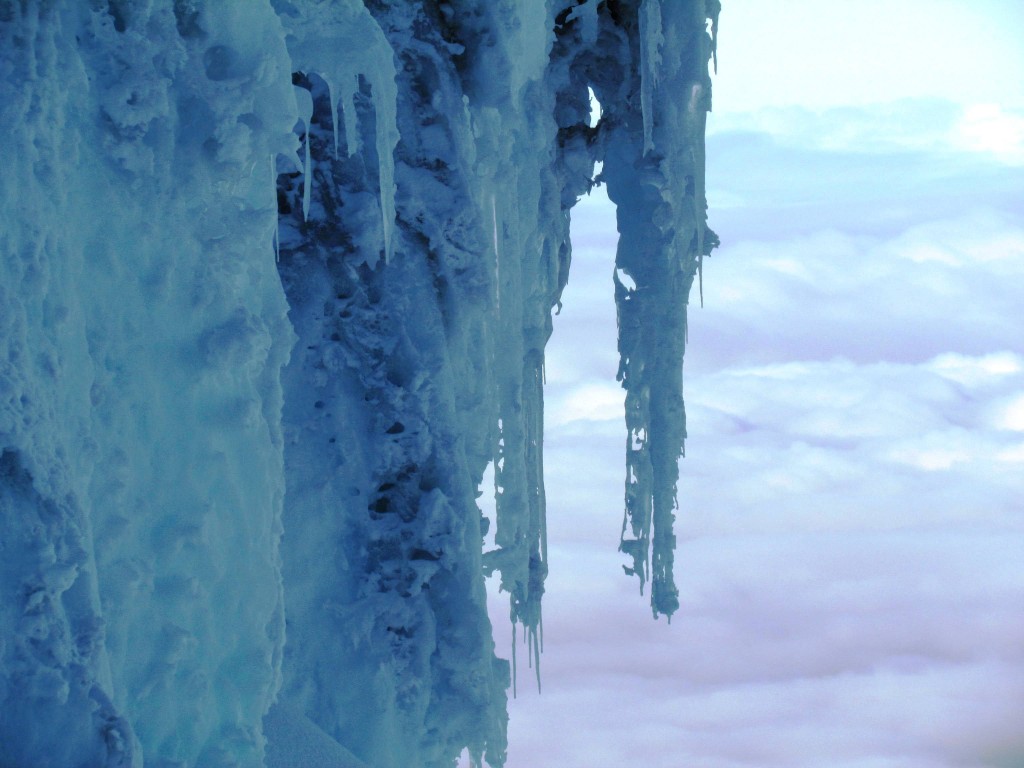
{"x": 276, "y": 278}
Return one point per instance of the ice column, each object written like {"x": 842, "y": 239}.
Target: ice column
{"x": 654, "y": 169}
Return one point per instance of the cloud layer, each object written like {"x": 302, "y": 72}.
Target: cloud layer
{"x": 851, "y": 525}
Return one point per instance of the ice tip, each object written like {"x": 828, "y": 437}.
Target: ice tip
{"x": 712, "y": 9}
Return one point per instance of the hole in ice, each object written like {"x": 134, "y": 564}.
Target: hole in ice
{"x": 186, "y": 18}
{"x": 423, "y": 554}
{"x": 595, "y": 107}
{"x": 117, "y": 13}
{"x": 485, "y": 501}
{"x": 628, "y": 283}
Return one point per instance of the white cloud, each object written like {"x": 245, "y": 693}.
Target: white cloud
{"x": 977, "y": 371}
{"x": 850, "y": 526}
{"x": 825, "y": 651}
{"x": 931, "y": 125}
{"x": 949, "y": 286}
{"x": 1008, "y": 413}
{"x": 850, "y": 593}
{"x": 592, "y": 401}
{"x": 989, "y": 128}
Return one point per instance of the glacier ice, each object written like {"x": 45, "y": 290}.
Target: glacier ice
{"x": 276, "y": 278}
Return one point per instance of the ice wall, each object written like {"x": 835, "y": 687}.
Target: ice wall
{"x": 142, "y": 335}
{"x": 206, "y": 543}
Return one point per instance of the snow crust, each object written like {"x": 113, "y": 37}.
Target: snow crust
{"x": 276, "y": 278}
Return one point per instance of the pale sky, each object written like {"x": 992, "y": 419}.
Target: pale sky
{"x": 851, "y": 524}
{"x": 830, "y": 53}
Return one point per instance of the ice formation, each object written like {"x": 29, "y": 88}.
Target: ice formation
{"x": 276, "y": 278}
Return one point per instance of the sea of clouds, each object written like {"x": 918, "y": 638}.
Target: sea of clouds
{"x": 851, "y": 523}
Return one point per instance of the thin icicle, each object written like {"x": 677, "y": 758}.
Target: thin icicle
{"x": 713, "y": 8}
{"x": 497, "y": 255}
{"x": 343, "y": 91}
{"x": 330, "y": 32}
{"x": 277, "y": 219}
{"x": 651, "y": 40}
{"x": 515, "y": 689}
{"x": 307, "y": 177}
{"x": 536, "y": 653}
{"x": 304, "y": 103}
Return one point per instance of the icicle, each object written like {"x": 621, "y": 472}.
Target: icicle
{"x": 384, "y": 95}
{"x": 651, "y": 40}
{"x": 385, "y": 103}
{"x": 497, "y": 259}
{"x": 661, "y": 247}
{"x": 700, "y": 277}
{"x": 277, "y": 217}
{"x": 514, "y": 673}
{"x": 536, "y": 653}
{"x": 307, "y": 177}
{"x": 342, "y": 43}
{"x": 304, "y": 103}
{"x": 341, "y": 90}
{"x": 713, "y": 8}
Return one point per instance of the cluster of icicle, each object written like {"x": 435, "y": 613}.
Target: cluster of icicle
{"x": 277, "y": 279}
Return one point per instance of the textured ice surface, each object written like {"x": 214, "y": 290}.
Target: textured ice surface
{"x": 276, "y": 278}
{"x": 654, "y": 168}
{"x": 144, "y": 331}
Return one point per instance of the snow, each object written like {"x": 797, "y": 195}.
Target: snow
{"x": 243, "y": 429}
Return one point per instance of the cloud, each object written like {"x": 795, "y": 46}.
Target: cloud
{"x": 991, "y": 129}
{"x": 850, "y": 526}
{"x": 953, "y": 285}
{"x": 790, "y": 651}
{"x": 987, "y": 131}
{"x": 775, "y": 192}
{"x": 843, "y": 603}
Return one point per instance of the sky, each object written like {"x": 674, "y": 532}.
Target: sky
{"x": 851, "y": 527}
